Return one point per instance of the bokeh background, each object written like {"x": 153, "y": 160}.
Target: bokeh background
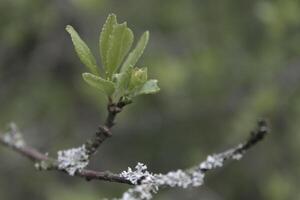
{"x": 221, "y": 66}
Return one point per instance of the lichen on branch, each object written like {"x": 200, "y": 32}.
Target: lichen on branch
{"x": 150, "y": 183}
{"x": 73, "y": 160}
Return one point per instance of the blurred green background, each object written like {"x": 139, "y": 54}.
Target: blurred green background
{"x": 221, "y": 66}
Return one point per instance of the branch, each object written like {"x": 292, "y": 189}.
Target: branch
{"x": 14, "y": 140}
{"x": 104, "y": 131}
{"x": 72, "y": 161}
{"x": 148, "y": 183}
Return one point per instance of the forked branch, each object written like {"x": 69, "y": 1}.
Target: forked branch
{"x": 146, "y": 182}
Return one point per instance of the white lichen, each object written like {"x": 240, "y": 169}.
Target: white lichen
{"x": 197, "y": 178}
{"x": 237, "y": 156}
{"x": 139, "y": 174}
{"x": 13, "y": 137}
{"x": 140, "y": 192}
{"x": 73, "y": 160}
{"x": 148, "y": 183}
{"x": 212, "y": 162}
{"x": 177, "y": 178}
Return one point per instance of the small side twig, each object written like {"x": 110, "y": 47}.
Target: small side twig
{"x": 236, "y": 153}
{"x": 104, "y": 131}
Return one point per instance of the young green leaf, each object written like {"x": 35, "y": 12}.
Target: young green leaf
{"x": 101, "y": 84}
{"x": 106, "y": 32}
{"x": 120, "y": 43}
{"x": 122, "y": 82}
{"x": 150, "y": 87}
{"x": 135, "y": 54}
{"x": 138, "y": 77}
{"x": 83, "y": 51}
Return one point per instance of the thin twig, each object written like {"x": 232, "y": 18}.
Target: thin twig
{"x": 44, "y": 162}
{"x": 104, "y": 131}
{"x": 147, "y": 183}
{"x": 256, "y": 136}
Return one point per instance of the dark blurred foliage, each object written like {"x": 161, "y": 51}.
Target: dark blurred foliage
{"x": 221, "y": 65}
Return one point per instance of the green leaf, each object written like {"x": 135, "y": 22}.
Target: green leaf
{"x": 106, "y": 32}
{"x": 122, "y": 82}
{"x": 120, "y": 43}
{"x": 83, "y": 51}
{"x": 135, "y": 54}
{"x": 101, "y": 84}
{"x": 150, "y": 87}
{"x": 138, "y": 77}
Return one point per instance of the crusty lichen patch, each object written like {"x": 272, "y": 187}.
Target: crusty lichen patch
{"x": 73, "y": 160}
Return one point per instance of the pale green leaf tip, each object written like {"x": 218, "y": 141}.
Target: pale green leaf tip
{"x": 147, "y": 35}
{"x": 123, "y": 24}
{"x": 112, "y": 15}
{"x": 69, "y": 28}
{"x": 156, "y": 84}
{"x": 157, "y": 88}
{"x": 154, "y": 87}
{"x": 85, "y": 75}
